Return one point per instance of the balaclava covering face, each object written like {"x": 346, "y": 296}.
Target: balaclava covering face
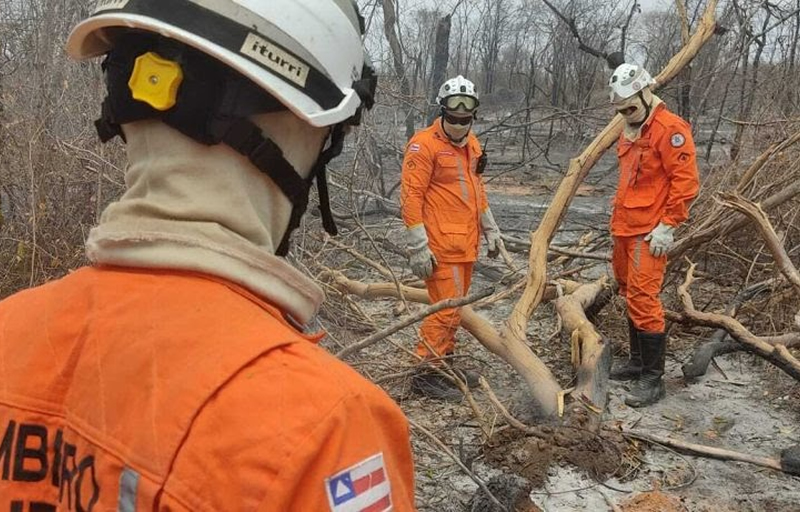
{"x": 643, "y": 104}
{"x": 456, "y": 132}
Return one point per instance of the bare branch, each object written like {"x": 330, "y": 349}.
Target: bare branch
{"x": 456, "y": 459}
{"x": 602, "y": 256}
{"x": 765, "y": 157}
{"x": 710, "y": 451}
{"x": 782, "y": 359}
{"x": 570, "y": 22}
{"x": 757, "y": 215}
{"x": 624, "y": 36}
{"x": 388, "y": 331}
{"x": 717, "y": 227}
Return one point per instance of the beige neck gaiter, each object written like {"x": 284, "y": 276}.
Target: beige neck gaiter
{"x": 207, "y": 209}
{"x": 458, "y": 132}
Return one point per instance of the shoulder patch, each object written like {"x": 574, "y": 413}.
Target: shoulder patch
{"x": 413, "y": 148}
{"x": 677, "y": 140}
{"x": 364, "y": 486}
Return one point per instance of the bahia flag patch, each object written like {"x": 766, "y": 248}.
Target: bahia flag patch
{"x": 361, "y": 488}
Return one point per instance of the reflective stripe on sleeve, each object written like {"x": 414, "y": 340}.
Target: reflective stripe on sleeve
{"x": 128, "y": 488}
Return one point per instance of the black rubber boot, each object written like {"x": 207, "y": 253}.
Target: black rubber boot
{"x": 649, "y": 389}
{"x": 457, "y": 366}
{"x": 435, "y": 385}
{"x": 632, "y": 368}
{"x": 468, "y": 376}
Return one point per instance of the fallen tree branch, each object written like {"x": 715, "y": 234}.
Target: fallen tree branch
{"x": 594, "y": 354}
{"x": 780, "y": 358}
{"x": 509, "y": 291}
{"x": 456, "y": 459}
{"x": 476, "y": 324}
{"x": 761, "y": 161}
{"x": 724, "y": 227}
{"x": 412, "y": 319}
{"x": 705, "y": 353}
{"x": 385, "y": 272}
{"x": 520, "y": 245}
{"x": 507, "y": 259}
{"x": 602, "y": 256}
{"x": 523, "y": 360}
{"x": 786, "y": 463}
{"x": 510, "y": 419}
{"x": 718, "y": 343}
{"x": 757, "y": 215}
{"x": 754, "y": 212}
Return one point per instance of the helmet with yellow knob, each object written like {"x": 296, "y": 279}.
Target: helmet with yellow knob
{"x": 205, "y": 67}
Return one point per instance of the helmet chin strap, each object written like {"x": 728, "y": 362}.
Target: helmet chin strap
{"x": 647, "y": 110}
{"x": 335, "y": 144}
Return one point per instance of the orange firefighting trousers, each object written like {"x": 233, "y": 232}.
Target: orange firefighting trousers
{"x": 449, "y": 280}
{"x": 640, "y": 276}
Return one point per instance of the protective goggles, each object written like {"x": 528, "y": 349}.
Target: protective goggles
{"x": 456, "y": 101}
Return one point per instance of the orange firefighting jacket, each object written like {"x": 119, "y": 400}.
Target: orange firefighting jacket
{"x": 139, "y": 390}
{"x": 441, "y": 189}
{"x": 657, "y": 175}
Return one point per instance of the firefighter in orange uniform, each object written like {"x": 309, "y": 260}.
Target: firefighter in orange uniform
{"x": 173, "y": 374}
{"x": 658, "y": 180}
{"x": 446, "y": 211}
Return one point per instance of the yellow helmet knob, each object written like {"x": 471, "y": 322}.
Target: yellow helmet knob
{"x": 155, "y": 81}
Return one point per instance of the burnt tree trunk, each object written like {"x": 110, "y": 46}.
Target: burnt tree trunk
{"x": 746, "y": 107}
{"x": 441, "y": 55}
{"x": 530, "y": 91}
{"x": 791, "y": 92}
{"x": 389, "y": 21}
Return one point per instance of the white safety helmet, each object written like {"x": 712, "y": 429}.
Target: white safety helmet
{"x": 458, "y": 91}
{"x": 627, "y": 80}
{"x": 308, "y": 54}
